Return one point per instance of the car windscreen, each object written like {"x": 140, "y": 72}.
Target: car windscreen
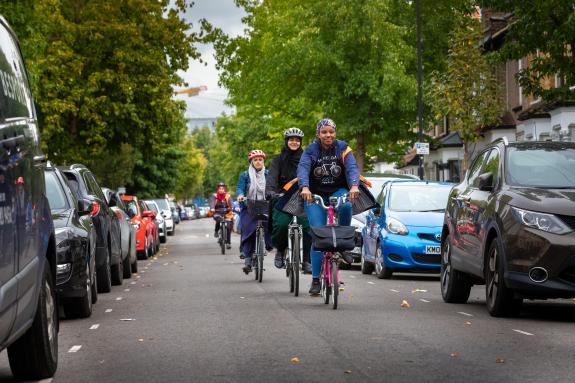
{"x": 551, "y": 167}
{"x": 162, "y": 204}
{"x": 131, "y": 207}
{"x": 54, "y": 192}
{"x": 152, "y": 206}
{"x": 418, "y": 197}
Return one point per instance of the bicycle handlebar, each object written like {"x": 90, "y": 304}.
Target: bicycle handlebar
{"x": 340, "y": 200}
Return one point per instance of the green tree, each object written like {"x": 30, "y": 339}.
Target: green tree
{"x": 467, "y": 91}
{"x": 544, "y": 30}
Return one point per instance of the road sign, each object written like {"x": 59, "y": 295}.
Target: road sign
{"x": 422, "y": 147}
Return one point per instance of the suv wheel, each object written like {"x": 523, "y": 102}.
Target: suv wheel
{"x": 455, "y": 285}
{"x": 104, "y": 276}
{"x": 382, "y": 271}
{"x": 366, "y": 267}
{"x": 500, "y": 299}
{"x": 35, "y": 355}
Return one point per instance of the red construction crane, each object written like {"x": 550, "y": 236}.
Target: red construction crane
{"x": 192, "y": 91}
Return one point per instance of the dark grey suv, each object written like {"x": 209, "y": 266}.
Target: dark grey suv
{"x": 28, "y": 308}
{"x": 511, "y": 226}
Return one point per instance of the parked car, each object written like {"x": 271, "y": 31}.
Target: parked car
{"x": 166, "y": 212}
{"x": 511, "y": 226}
{"x": 75, "y": 246}
{"x": 184, "y": 214}
{"x": 153, "y": 222}
{"x": 160, "y": 220}
{"x": 175, "y": 214}
{"x": 375, "y": 185}
{"x": 143, "y": 224}
{"x": 109, "y": 261}
{"x": 127, "y": 232}
{"x": 28, "y": 309}
{"x": 405, "y": 234}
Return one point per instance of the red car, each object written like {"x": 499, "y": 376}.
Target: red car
{"x": 143, "y": 221}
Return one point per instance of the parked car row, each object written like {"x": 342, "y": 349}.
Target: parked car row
{"x": 509, "y": 225}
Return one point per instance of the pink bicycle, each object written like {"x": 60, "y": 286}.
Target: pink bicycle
{"x": 331, "y": 239}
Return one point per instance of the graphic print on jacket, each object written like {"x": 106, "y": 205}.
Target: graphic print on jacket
{"x": 327, "y": 174}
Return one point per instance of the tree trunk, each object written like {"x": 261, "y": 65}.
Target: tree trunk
{"x": 360, "y": 151}
{"x": 466, "y": 159}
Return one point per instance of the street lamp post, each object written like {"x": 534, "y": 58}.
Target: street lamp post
{"x": 419, "y": 95}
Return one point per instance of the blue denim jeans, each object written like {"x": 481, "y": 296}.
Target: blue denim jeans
{"x": 317, "y": 216}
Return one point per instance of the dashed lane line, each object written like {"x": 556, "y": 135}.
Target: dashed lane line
{"x": 394, "y": 290}
{"x": 108, "y": 310}
{"x": 424, "y": 300}
{"x": 371, "y": 283}
{"x": 523, "y": 332}
{"x": 94, "y": 326}
{"x": 75, "y": 348}
{"x": 119, "y": 298}
{"x": 127, "y": 290}
{"x": 463, "y": 313}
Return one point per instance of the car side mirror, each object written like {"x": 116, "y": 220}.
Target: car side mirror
{"x": 485, "y": 181}
{"x": 147, "y": 213}
{"x": 84, "y": 207}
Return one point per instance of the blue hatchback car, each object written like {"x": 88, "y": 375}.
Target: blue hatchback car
{"x": 405, "y": 234}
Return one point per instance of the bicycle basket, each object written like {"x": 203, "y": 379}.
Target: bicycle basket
{"x": 333, "y": 238}
{"x": 258, "y": 209}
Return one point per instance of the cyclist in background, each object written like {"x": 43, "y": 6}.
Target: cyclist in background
{"x": 252, "y": 185}
{"x": 283, "y": 170}
{"x": 327, "y": 168}
{"x": 221, "y": 201}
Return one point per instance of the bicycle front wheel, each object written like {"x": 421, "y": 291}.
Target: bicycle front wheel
{"x": 261, "y": 254}
{"x": 289, "y": 271}
{"x": 325, "y": 286}
{"x": 334, "y": 284}
{"x": 222, "y": 238}
{"x": 295, "y": 262}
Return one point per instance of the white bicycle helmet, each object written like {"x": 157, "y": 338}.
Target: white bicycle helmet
{"x": 293, "y": 132}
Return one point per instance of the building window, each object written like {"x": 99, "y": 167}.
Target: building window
{"x": 545, "y": 137}
{"x": 519, "y": 136}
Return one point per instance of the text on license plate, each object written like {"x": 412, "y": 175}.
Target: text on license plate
{"x": 432, "y": 249}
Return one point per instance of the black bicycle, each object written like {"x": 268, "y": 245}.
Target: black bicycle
{"x": 293, "y": 255}
{"x": 259, "y": 210}
{"x": 220, "y": 217}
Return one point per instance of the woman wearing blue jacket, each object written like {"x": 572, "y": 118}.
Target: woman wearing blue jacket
{"x": 327, "y": 168}
{"x": 252, "y": 185}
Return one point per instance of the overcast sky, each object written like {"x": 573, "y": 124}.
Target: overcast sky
{"x": 225, "y": 15}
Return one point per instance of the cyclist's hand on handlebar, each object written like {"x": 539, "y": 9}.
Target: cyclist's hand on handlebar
{"x": 353, "y": 193}
{"x": 240, "y": 198}
{"x": 305, "y": 193}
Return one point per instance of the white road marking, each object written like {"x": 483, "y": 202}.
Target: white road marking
{"x": 371, "y": 283}
{"x": 119, "y": 298}
{"x": 127, "y": 290}
{"x": 132, "y": 283}
{"x": 108, "y": 310}
{"x": 74, "y": 348}
{"x": 393, "y": 290}
{"x": 424, "y": 300}
{"x": 466, "y": 314}
{"x": 523, "y": 332}
{"x": 352, "y": 276}
{"x": 94, "y": 327}
{"x": 45, "y": 380}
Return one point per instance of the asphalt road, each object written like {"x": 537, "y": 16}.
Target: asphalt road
{"x": 191, "y": 315}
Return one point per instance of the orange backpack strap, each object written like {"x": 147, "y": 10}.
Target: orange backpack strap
{"x": 345, "y": 153}
{"x": 365, "y": 181}
{"x": 289, "y": 185}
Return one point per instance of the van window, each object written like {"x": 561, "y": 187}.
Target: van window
{"x": 15, "y": 99}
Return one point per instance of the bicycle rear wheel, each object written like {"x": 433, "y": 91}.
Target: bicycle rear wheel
{"x": 295, "y": 262}
{"x": 334, "y": 283}
{"x": 261, "y": 254}
{"x": 289, "y": 271}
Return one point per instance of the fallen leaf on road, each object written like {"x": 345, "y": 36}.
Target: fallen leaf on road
{"x": 418, "y": 291}
{"x": 454, "y": 355}
{"x": 467, "y": 323}
{"x": 405, "y": 304}
{"x": 140, "y": 340}
{"x": 500, "y": 360}
{"x": 347, "y": 371}
{"x": 295, "y": 359}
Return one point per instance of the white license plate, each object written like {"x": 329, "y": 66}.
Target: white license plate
{"x": 432, "y": 249}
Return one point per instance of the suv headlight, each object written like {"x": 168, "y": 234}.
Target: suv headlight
{"x": 396, "y": 227}
{"x": 541, "y": 221}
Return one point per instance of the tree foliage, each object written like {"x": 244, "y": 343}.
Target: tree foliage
{"x": 102, "y": 74}
{"x": 468, "y": 90}
{"x": 543, "y": 30}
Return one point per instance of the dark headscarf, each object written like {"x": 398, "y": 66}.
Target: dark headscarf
{"x": 289, "y": 160}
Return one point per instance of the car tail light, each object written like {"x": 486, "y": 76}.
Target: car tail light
{"x": 119, "y": 215}
{"x": 95, "y": 208}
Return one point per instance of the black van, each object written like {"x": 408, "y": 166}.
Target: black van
{"x": 28, "y": 306}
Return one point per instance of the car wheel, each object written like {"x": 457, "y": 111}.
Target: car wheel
{"x": 163, "y": 239}
{"x": 118, "y": 273}
{"x": 500, "y": 299}
{"x": 127, "y": 267}
{"x": 135, "y": 266}
{"x": 366, "y": 267}
{"x": 455, "y": 285}
{"x": 104, "y": 276}
{"x": 81, "y": 307}
{"x": 382, "y": 271}
{"x": 35, "y": 355}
